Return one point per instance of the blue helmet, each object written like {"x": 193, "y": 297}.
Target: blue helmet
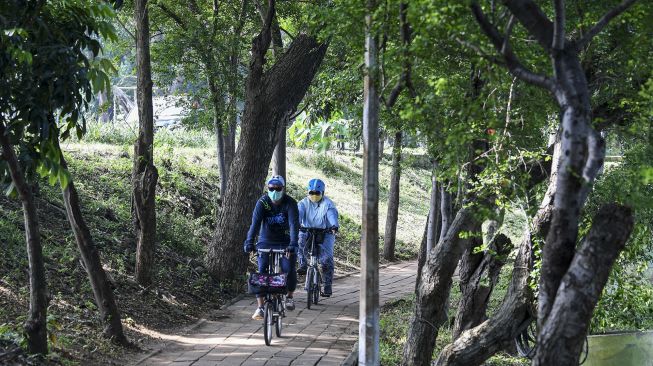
{"x": 316, "y": 185}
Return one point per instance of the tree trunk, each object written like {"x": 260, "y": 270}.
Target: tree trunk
{"x": 144, "y": 173}
{"x": 270, "y": 98}
{"x": 434, "y": 225}
{"x": 432, "y": 297}
{"x": 561, "y": 339}
{"x": 91, "y": 258}
{"x": 368, "y": 329}
{"x": 381, "y": 143}
{"x": 220, "y": 138}
{"x": 279, "y": 155}
{"x": 475, "y": 292}
{"x": 36, "y": 324}
{"x": 423, "y": 252}
{"x": 445, "y": 211}
{"x": 390, "y": 236}
{"x": 583, "y": 151}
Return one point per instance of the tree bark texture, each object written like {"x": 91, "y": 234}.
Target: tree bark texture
{"x": 561, "y": 339}
{"x": 368, "y": 330}
{"x": 144, "y": 173}
{"x": 390, "y": 237}
{"x": 270, "y": 97}
{"x": 475, "y": 293}
{"x": 102, "y": 291}
{"x": 36, "y": 325}
{"x": 432, "y": 297}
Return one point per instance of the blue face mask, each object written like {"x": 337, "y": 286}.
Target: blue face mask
{"x": 275, "y": 195}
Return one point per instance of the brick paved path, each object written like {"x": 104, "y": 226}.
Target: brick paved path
{"x": 323, "y": 335}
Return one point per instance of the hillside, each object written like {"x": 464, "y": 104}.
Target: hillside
{"x": 186, "y": 204}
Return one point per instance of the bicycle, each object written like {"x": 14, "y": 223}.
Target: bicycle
{"x": 313, "y": 283}
{"x": 273, "y": 284}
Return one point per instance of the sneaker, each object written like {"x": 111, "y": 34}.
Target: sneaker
{"x": 258, "y": 314}
{"x": 327, "y": 291}
{"x": 302, "y": 270}
{"x": 290, "y": 303}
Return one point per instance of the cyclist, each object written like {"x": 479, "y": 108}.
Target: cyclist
{"x": 316, "y": 211}
{"x": 275, "y": 220}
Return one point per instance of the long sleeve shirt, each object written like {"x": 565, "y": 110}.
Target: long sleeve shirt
{"x": 320, "y": 215}
{"x": 274, "y": 224}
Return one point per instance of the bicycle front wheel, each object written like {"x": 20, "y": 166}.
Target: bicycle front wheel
{"x": 309, "y": 287}
{"x": 268, "y": 320}
{"x": 316, "y": 286}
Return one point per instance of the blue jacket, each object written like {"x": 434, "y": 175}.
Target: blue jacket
{"x": 274, "y": 224}
{"x": 320, "y": 215}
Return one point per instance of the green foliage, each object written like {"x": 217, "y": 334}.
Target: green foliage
{"x": 50, "y": 69}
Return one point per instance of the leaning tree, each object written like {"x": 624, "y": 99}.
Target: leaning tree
{"x": 271, "y": 96}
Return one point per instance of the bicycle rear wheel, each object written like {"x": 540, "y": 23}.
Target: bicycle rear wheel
{"x": 268, "y": 320}
{"x": 279, "y": 323}
{"x": 309, "y": 287}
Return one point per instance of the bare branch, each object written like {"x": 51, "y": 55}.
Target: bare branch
{"x": 598, "y": 27}
{"x": 559, "y": 25}
{"x": 292, "y": 38}
{"x": 503, "y": 46}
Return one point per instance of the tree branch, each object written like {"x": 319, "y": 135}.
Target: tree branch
{"x": 559, "y": 26}
{"x": 533, "y": 19}
{"x": 598, "y": 27}
{"x": 503, "y": 46}
{"x": 172, "y": 15}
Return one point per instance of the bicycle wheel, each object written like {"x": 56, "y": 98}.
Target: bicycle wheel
{"x": 526, "y": 341}
{"x": 309, "y": 287}
{"x": 317, "y": 289}
{"x": 279, "y": 318}
{"x": 268, "y": 320}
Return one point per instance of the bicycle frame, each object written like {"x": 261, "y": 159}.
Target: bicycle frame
{"x": 313, "y": 282}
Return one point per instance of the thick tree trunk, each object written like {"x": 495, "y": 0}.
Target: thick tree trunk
{"x": 144, "y": 173}
{"x": 432, "y": 297}
{"x": 583, "y": 151}
{"x": 368, "y": 329}
{"x": 270, "y": 98}
{"x": 102, "y": 291}
{"x": 561, "y": 339}
{"x": 36, "y": 324}
{"x": 475, "y": 289}
{"x": 390, "y": 236}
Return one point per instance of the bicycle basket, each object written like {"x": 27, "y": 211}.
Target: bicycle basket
{"x": 267, "y": 283}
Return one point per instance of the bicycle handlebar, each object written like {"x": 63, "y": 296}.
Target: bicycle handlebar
{"x": 271, "y": 250}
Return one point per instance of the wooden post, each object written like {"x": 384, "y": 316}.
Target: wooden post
{"x": 368, "y": 331}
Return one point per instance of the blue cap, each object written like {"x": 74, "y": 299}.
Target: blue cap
{"x": 277, "y": 180}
